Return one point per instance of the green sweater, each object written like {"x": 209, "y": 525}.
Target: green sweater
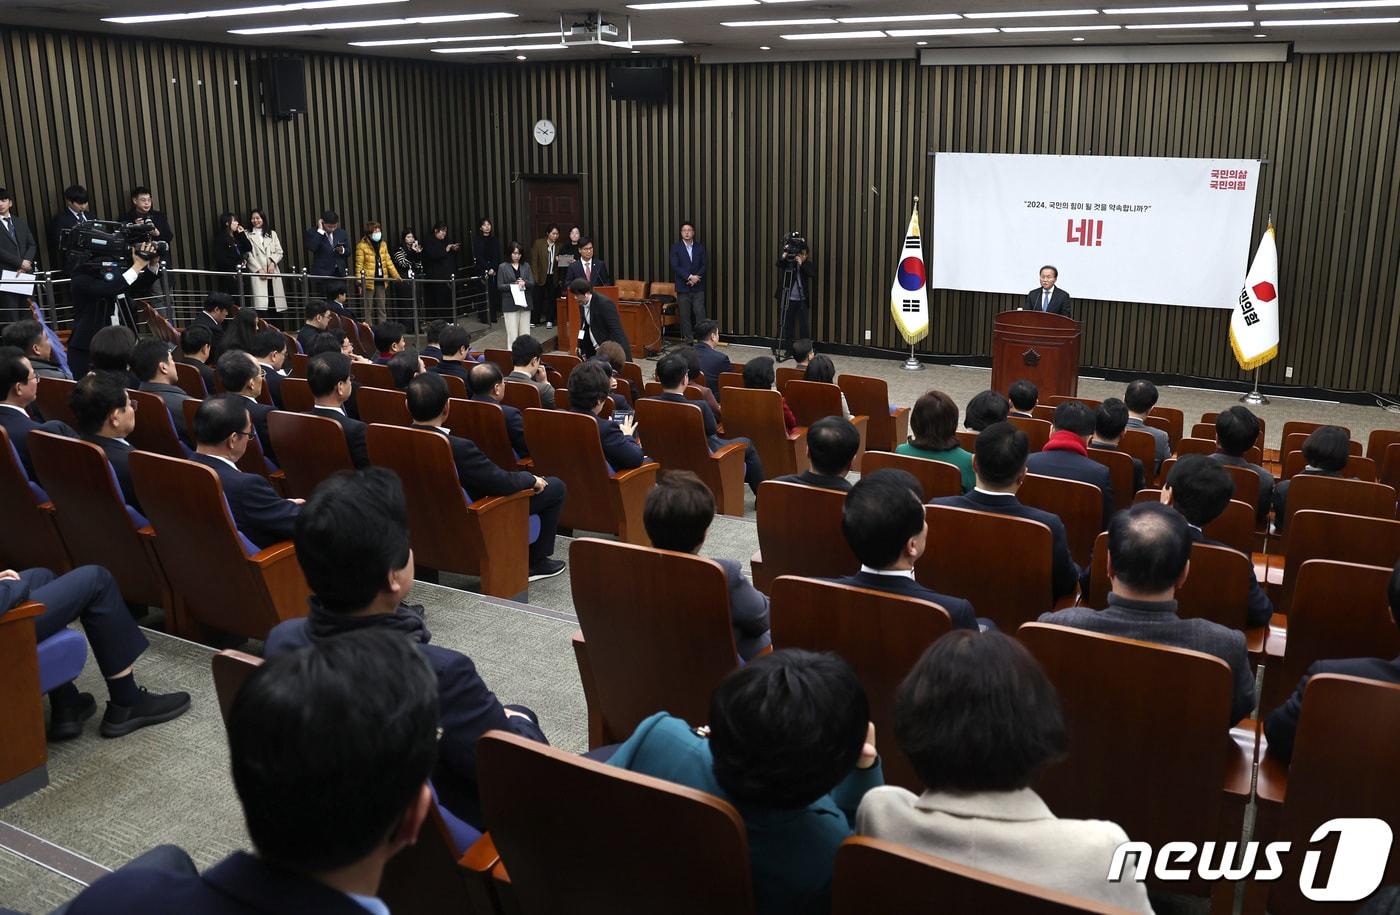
{"x": 955, "y": 456}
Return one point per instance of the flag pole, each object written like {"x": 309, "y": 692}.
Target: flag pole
{"x": 1254, "y": 398}
{"x": 912, "y": 364}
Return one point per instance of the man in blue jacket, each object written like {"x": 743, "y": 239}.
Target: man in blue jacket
{"x": 689, "y": 264}
{"x": 327, "y": 245}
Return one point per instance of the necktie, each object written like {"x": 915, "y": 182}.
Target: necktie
{"x": 9, "y": 227}
{"x": 1045, "y": 300}
{"x": 588, "y": 271}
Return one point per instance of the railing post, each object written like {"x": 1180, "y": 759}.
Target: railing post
{"x": 413, "y": 298}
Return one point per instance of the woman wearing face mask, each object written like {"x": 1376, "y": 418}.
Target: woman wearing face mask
{"x": 374, "y": 268}
{"x": 264, "y": 259}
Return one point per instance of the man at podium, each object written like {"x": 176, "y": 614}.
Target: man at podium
{"x": 1048, "y": 296}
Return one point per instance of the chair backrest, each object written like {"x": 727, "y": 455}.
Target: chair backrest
{"x": 1195, "y": 445}
{"x": 673, "y": 434}
{"x": 297, "y": 396}
{"x": 456, "y": 387}
{"x": 657, "y": 288}
{"x": 93, "y": 519}
{"x": 428, "y": 361}
{"x": 563, "y": 363}
{"x": 565, "y": 444}
{"x": 1150, "y": 754}
{"x": 583, "y": 837}
{"x": 155, "y": 427}
{"x": 1078, "y": 505}
{"x": 231, "y": 669}
{"x": 365, "y": 335}
{"x": 383, "y": 405}
{"x": 787, "y": 373}
{"x": 485, "y": 425}
{"x": 30, "y": 538}
{"x": 437, "y": 505}
{"x": 812, "y": 400}
{"x": 296, "y": 362}
{"x": 293, "y": 348}
{"x": 624, "y": 387}
{"x": 1390, "y": 465}
{"x": 1037, "y": 430}
{"x": 881, "y": 635}
{"x": 1337, "y": 494}
{"x": 1378, "y": 441}
{"x": 1357, "y": 468}
{"x": 1120, "y": 474}
{"x": 1234, "y": 527}
{"x": 872, "y": 875}
{"x": 633, "y": 373}
{"x": 160, "y": 328}
{"x": 373, "y": 375}
{"x": 53, "y": 397}
{"x": 309, "y": 449}
{"x": 1246, "y": 484}
{"x": 1055, "y": 400}
{"x": 955, "y": 562}
{"x": 967, "y": 440}
{"x": 1293, "y": 441}
{"x": 189, "y": 380}
{"x": 1344, "y": 762}
{"x": 1171, "y": 421}
{"x": 631, "y": 290}
{"x": 1301, "y": 427}
{"x": 522, "y": 395}
{"x": 799, "y": 533}
{"x": 1141, "y": 445}
{"x": 733, "y": 379}
{"x": 1216, "y": 587}
{"x": 1043, "y": 411}
{"x": 502, "y": 359}
{"x": 938, "y": 478}
{"x": 866, "y": 396}
{"x": 667, "y": 653}
{"x": 758, "y": 416}
{"x": 1314, "y": 534}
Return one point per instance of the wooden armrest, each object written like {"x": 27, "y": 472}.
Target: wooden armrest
{"x": 799, "y": 433}
{"x": 624, "y": 478}
{"x": 22, "y": 611}
{"x": 1273, "y": 778}
{"x": 727, "y": 450}
{"x": 481, "y": 857}
{"x": 278, "y": 552}
{"x": 1276, "y": 642}
{"x": 1239, "y": 768}
{"x": 494, "y": 503}
{"x": 900, "y": 411}
{"x": 524, "y": 463}
{"x": 146, "y": 531}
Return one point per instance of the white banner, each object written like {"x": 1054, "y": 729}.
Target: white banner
{"x": 1170, "y": 231}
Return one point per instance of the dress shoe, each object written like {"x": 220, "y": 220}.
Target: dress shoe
{"x": 66, "y": 722}
{"x": 154, "y": 708}
{"x": 546, "y": 568}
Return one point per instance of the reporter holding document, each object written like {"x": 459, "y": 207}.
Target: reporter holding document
{"x": 514, "y": 274}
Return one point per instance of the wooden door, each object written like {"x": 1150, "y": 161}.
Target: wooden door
{"x": 551, "y": 200}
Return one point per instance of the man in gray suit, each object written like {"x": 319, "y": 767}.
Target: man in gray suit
{"x": 1149, "y": 548}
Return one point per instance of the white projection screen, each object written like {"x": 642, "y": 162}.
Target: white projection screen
{"x": 1169, "y": 231}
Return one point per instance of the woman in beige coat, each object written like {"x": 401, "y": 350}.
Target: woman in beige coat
{"x": 265, "y": 258}
{"x": 375, "y": 268}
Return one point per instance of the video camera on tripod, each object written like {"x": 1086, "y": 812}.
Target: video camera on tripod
{"x": 108, "y": 242}
{"x": 794, "y": 244}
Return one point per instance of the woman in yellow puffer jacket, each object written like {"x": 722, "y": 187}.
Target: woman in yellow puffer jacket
{"x": 374, "y": 268}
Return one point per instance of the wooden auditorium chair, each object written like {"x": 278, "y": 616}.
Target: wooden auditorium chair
{"x": 296, "y": 395}
{"x": 673, "y": 434}
{"x": 254, "y": 460}
{"x": 1338, "y": 536}
{"x": 1378, "y": 442}
{"x": 451, "y": 531}
{"x": 155, "y": 427}
{"x": 887, "y": 426}
{"x": 565, "y": 444}
{"x": 383, "y": 405}
{"x": 1078, "y": 505}
{"x": 967, "y": 440}
{"x": 814, "y": 400}
{"x": 310, "y": 448}
{"x": 1172, "y": 421}
{"x": 52, "y": 399}
{"x": 732, "y": 379}
{"x": 1304, "y": 428}
{"x": 28, "y": 670}
{"x": 160, "y": 328}
{"x": 189, "y": 380}
{"x": 1357, "y": 468}
{"x": 563, "y": 363}
{"x": 881, "y": 635}
{"x": 218, "y": 577}
{"x": 296, "y": 363}
{"x": 1234, "y": 527}
{"x": 1038, "y": 431}
{"x": 501, "y": 358}
{"x": 799, "y": 533}
{"x": 1000, "y": 563}
{"x": 484, "y": 424}
{"x": 522, "y": 395}
{"x": 784, "y": 374}
{"x": 29, "y": 537}
{"x": 373, "y": 375}
{"x": 1310, "y": 491}
{"x": 1143, "y": 446}
{"x": 638, "y": 657}
{"x": 936, "y": 478}
{"x": 758, "y": 416}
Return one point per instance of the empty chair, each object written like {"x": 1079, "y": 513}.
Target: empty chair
{"x": 450, "y": 531}
{"x": 1378, "y": 441}
{"x": 937, "y": 478}
{"x": 484, "y": 424}
{"x": 382, "y": 405}
{"x": 30, "y": 537}
{"x": 53, "y": 397}
{"x": 1390, "y": 465}
{"x": 1343, "y": 537}
{"x": 155, "y": 427}
{"x": 218, "y": 578}
{"x": 1079, "y": 506}
{"x": 799, "y": 533}
{"x": 1336, "y": 494}
{"x": 566, "y": 445}
{"x": 310, "y": 448}
{"x": 758, "y": 416}
{"x": 955, "y": 562}
{"x": 887, "y": 426}
{"x": 645, "y": 657}
{"x": 673, "y": 434}
{"x": 784, "y": 374}
{"x": 1037, "y": 431}
{"x": 563, "y": 363}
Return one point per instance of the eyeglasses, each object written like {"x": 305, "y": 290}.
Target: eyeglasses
{"x": 132, "y": 405}
{"x": 247, "y": 434}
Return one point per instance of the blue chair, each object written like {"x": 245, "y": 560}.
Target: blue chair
{"x": 27, "y": 671}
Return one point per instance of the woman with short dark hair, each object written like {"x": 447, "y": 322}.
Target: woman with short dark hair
{"x": 934, "y": 422}
{"x": 760, "y": 374}
{"x": 979, "y": 721}
{"x": 515, "y": 272}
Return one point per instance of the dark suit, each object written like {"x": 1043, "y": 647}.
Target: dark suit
{"x": 432, "y": 351}
{"x": 959, "y": 610}
{"x": 272, "y": 380}
{"x": 1282, "y": 724}
{"x": 59, "y": 225}
{"x": 306, "y": 335}
{"x": 1261, "y": 609}
{"x": 600, "y": 322}
{"x": 515, "y": 425}
{"x": 261, "y": 515}
{"x": 621, "y": 452}
{"x": 1139, "y": 478}
{"x": 259, "y": 413}
{"x": 1065, "y": 574}
{"x": 241, "y": 884}
{"x": 94, "y": 303}
{"x": 456, "y": 368}
{"x": 320, "y": 247}
{"x": 14, "y": 249}
{"x": 206, "y": 371}
{"x": 753, "y": 467}
{"x": 1060, "y": 302}
{"x": 354, "y": 434}
{"x": 89, "y": 595}
{"x": 812, "y": 478}
{"x": 174, "y": 403}
{"x": 17, "y": 424}
{"x": 748, "y": 611}
{"x": 600, "y": 275}
{"x": 1156, "y": 621}
{"x": 690, "y": 300}
{"x": 1069, "y": 465}
{"x": 713, "y": 363}
{"x": 118, "y": 455}
{"x": 216, "y": 331}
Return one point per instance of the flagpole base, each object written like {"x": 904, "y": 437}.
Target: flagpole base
{"x": 1254, "y": 399}
{"x": 912, "y": 365}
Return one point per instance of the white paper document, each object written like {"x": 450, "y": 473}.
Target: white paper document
{"x": 518, "y": 294}
{"x": 17, "y": 283}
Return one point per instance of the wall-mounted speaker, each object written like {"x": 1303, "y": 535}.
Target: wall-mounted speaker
{"x": 283, "y": 82}
{"x": 650, "y": 84}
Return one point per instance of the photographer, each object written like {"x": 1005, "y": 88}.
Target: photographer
{"x": 141, "y": 211}
{"x": 797, "y": 276}
{"x": 96, "y": 288}
{"x": 327, "y": 245}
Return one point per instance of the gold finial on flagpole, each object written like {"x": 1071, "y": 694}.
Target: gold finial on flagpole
{"x": 916, "y": 201}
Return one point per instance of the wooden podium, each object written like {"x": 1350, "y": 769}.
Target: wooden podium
{"x": 1040, "y": 347}
{"x": 641, "y": 321}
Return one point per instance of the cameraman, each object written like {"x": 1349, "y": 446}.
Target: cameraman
{"x": 795, "y": 260}
{"x": 96, "y": 287}
{"x": 142, "y": 211}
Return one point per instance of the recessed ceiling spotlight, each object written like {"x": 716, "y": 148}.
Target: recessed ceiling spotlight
{"x": 764, "y": 47}
{"x": 921, "y": 43}
{"x": 520, "y": 57}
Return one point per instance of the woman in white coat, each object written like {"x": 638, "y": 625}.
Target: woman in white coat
{"x": 264, "y": 259}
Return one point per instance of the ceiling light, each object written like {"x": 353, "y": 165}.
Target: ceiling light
{"x": 1059, "y": 28}
{"x": 689, "y": 4}
{"x": 1334, "y": 5}
{"x": 749, "y": 23}
{"x": 764, "y": 47}
{"x": 929, "y": 17}
{"x": 1291, "y": 22}
{"x": 1147, "y": 10}
{"x": 520, "y": 57}
{"x": 921, "y": 43}
{"x": 391, "y": 42}
{"x": 367, "y": 24}
{"x": 915, "y": 33}
{"x": 245, "y": 11}
{"x": 492, "y": 49}
{"x": 1028, "y": 14}
{"x": 834, "y": 36}
{"x": 1247, "y": 24}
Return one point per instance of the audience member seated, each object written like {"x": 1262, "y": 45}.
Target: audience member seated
{"x": 983, "y": 409}
{"x": 802, "y": 351}
{"x": 980, "y": 721}
{"x": 1236, "y": 430}
{"x": 106, "y": 415}
{"x": 20, "y": 384}
{"x": 152, "y": 362}
{"x": 884, "y": 524}
{"x": 427, "y": 404}
{"x": 1200, "y": 489}
{"x": 832, "y": 443}
{"x": 330, "y": 747}
{"x": 1023, "y": 396}
{"x": 612, "y": 358}
{"x": 588, "y": 391}
{"x": 712, "y": 362}
{"x": 673, "y": 374}
{"x": 196, "y": 346}
{"x": 1281, "y": 727}
{"x": 404, "y": 367}
{"x": 678, "y": 512}
{"x": 455, "y": 354}
{"x": 1000, "y": 463}
{"x": 692, "y": 366}
{"x": 217, "y": 306}
{"x": 328, "y": 376}
{"x": 241, "y": 374}
{"x": 821, "y": 369}
{"x": 526, "y": 354}
{"x": 388, "y": 341}
{"x": 353, "y": 546}
{"x": 1110, "y": 419}
{"x": 28, "y": 336}
{"x": 1326, "y": 451}
{"x": 759, "y": 374}
{"x": 269, "y": 348}
{"x": 934, "y": 422}
{"x": 111, "y": 353}
{"x": 1149, "y": 552}
{"x": 239, "y": 332}
{"x": 488, "y": 385}
{"x": 318, "y": 319}
{"x": 433, "y": 333}
{"x": 789, "y": 743}
{"x": 1066, "y": 455}
{"x": 1140, "y": 397}
{"x": 89, "y": 595}
{"x": 337, "y": 293}
{"x": 222, "y": 427}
